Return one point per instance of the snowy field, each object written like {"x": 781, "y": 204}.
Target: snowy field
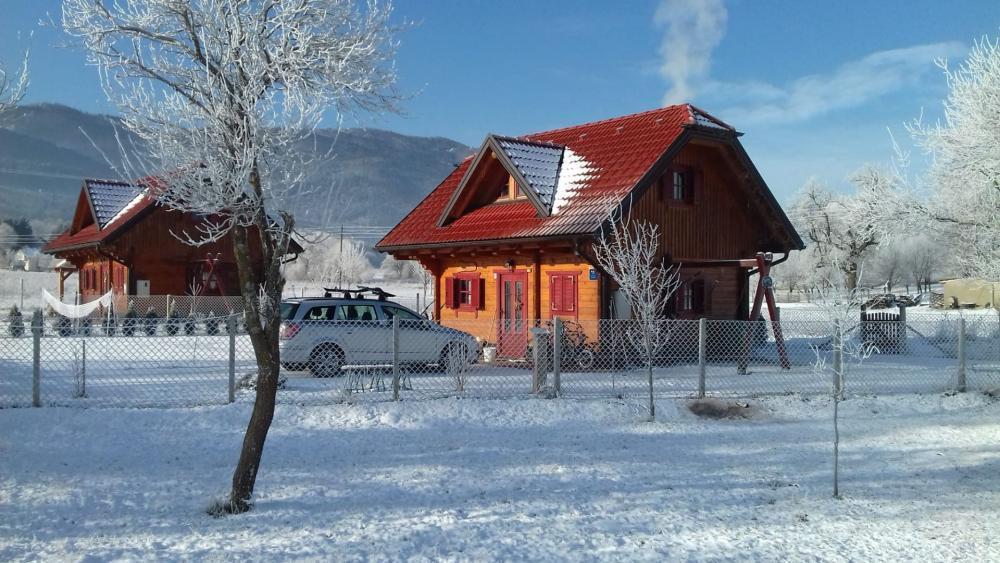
{"x": 465, "y": 479}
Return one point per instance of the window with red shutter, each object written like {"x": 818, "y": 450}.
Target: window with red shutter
{"x": 562, "y": 294}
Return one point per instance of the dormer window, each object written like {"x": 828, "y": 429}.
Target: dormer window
{"x": 510, "y": 191}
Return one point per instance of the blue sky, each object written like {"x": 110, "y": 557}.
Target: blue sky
{"x": 813, "y": 85}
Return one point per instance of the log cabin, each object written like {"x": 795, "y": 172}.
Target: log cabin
{"x": 121, "y": 240}
{"x": 508, "y": 236}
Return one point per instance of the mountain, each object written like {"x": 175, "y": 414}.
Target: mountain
{"x": 373, "y": 177}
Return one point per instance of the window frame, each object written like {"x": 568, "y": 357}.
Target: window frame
{"x": 469, "y": 284}
{"x": 689, "y": 187}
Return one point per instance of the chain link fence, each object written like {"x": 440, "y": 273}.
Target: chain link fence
{"x": 186, "y": 361}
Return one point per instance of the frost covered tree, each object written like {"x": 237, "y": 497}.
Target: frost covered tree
{"x": 962, "y": 193}
{"x": 218, "y": 94}
{"x": 342, "y": 265}
{"x": 628, "y": 251}
{"x": 13, "y": 85}
{"x": 842, "y": 229}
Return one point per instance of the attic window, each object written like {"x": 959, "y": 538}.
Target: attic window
{"x": 511, "y": 190}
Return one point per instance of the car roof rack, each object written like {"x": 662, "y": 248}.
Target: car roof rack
{"x": 358, "y": 293}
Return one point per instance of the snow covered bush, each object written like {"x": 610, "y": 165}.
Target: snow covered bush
{"x": 150, "y": 321}
{"x": 173, "y": 324}
{"x": 15, "y": 322}
{"x": 130, "y": 323}
{"x": 190, "y": 324}
{"x": 212, "y": 323}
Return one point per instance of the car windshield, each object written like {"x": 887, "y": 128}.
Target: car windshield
{"x": 288, "y": 310}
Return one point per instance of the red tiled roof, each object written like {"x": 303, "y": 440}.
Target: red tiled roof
{"x": 619, "y": 150}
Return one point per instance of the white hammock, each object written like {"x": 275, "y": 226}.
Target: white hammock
{"x": 76, "y": 311}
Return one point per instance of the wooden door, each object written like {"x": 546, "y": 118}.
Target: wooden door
{"x": 512, "y": 309}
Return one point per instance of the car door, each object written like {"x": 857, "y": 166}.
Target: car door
{"x": 417, "y": 341}
{"x": 367, "y": 337}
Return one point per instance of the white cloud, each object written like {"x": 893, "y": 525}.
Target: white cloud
{"x": 852, "y": 84}
{"x": 693, "y": 29}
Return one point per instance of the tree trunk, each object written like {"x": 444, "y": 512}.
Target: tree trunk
{"x": 262, "y": 322}
{"x": 851, "y": 276}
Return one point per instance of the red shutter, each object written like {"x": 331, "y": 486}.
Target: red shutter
{"x": 449, "y": 293}
{"x": 555, "y": 293}
{"x": 665, "y": 187}
{"x": 569, "y": 293}
{"x": 697, "y": 182}
{"x": 478, "y": 289}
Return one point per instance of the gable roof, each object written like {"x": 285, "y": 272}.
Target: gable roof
{"x": 599, "y": 165}
{"x": 111, "y": 204}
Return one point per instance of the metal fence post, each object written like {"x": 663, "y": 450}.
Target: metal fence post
{"x": 557, "y": 330}
{"x": 838, "y": 361}
{"x": 395, "y": 358}
{"x": 231, "y": 329}
{"x": 83, "y": 367}
{"x": 702, "y": 341}
{"x": 903, "y": 333}
{"x": 36, "y": 358}
{"x": 961, "y": 354}
{"x": 536, "y": 368}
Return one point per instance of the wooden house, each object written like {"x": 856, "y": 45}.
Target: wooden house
{"x": 120, "y": 240}
{"x": 508, "y": 235}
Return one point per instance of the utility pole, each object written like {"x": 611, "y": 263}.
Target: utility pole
{"x": 340, "y": 265}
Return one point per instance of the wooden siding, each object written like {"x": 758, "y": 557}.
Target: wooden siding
{"x": 482, "y": 323}
{"x": 722, "y": 223}
{"x": 148, "y": 250}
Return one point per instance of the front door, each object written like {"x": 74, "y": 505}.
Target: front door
{"x": 512, "y": 304}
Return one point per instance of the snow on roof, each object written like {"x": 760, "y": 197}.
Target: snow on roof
{"x": 109, "y": 199}
{"x": 537, "y": 162}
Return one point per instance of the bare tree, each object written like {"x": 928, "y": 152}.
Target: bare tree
{"x": 629, "y": 252}
{"x": 218, "y": 93}
{"x": 921, "y": 259}
{"x": 840, "y": 307}
{"x": 13, "y": 85}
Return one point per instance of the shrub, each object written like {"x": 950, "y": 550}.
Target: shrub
{"x": 190, "y": 324}
{"x": 15, "y": 322}
{"x": 173, "y": 324}
{"x": 212, "y": 323}
{"x": 84, "y": 326}
{"x": 131, "y": 321}
{"x": 151, "y": 320}
{"x": 64, "y": 326}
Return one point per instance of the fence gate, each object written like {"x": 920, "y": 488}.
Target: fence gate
{"x": 885, "y": 331}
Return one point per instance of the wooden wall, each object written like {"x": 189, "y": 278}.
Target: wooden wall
{"x": 482, "y": 323}
{"x": 148, "y": 250}
{"x": 722, "y": 223}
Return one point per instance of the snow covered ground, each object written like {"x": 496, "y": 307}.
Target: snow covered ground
{"x": 466, "y": 479}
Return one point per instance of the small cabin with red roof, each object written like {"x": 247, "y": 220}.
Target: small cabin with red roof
{"x": 121, "y": 240}
{"x": 508, "y": 236}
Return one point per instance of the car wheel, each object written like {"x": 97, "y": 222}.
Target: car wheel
{"x": 326, "y": 360}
